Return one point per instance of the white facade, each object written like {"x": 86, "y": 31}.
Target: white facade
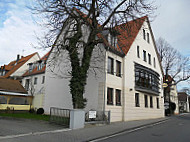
{"x": 36, "y": 89}
{"x": 57, "y": 86}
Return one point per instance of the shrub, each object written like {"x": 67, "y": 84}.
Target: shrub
{"x": 40, "y": 111}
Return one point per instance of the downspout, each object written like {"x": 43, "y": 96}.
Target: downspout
{"x": 104, "y": 103}
{"x": 123, "y": 98}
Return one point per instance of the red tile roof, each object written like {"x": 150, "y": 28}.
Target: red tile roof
{"x": 128, "y": 33}
{"x": 35, "y": 70}
{"x": 9, "y": 85}
{"x": 13, "y": 66}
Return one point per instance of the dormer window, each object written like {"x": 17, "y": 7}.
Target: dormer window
{"x": 40, "y": 65}
{"x": 30, "y": 67}
{"x": 112, "y": 40}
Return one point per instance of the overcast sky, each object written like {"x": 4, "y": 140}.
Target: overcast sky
{"x": 18, "y": 30}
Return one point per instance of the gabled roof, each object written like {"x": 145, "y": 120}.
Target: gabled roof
{"x": 9, "y": 85}
{"x": 128, "y": 32}
{"x": 14, "y": 65}
{"x": 35, "y": 70}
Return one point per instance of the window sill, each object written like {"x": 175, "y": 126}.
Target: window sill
{"x": 118, "y": 104}
{"x": 110, "y": 104}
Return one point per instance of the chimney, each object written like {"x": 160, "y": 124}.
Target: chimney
{"x": 18, "y": 57}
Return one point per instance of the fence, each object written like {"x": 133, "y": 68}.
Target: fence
{"x": 60, "y": 116}
{"x": 97, "y": 117}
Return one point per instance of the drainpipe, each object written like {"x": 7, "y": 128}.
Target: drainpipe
{"x": 123, "y": 98}
{"x": 104, "y": 103}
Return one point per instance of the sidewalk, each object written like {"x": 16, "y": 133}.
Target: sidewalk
{"x": 89, "y": 133}
{"x": 94, "y": 132}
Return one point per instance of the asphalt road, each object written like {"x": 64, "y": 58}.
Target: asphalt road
{"x": 177, "y": 129}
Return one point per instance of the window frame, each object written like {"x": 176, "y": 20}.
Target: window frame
{"x": 148, "y": 38}
{"x": 109, "y": 96}
{"x": 144, "y": 34}
{"x": 110, "y": 69}
{"x": 43, "y": 79}
{"x": 146, "y": 101}
{"x": 144, "y": 56}
{"x": 118, "y": 97}
{"x": 157, "y": 102}
{"x": 151, "y": 102}
{"x": 154, "y": 62}
{"x": 137, "y": 102}
{"x": 118, "y": 68}
{"x": 35, "y": 80}
{"x": 149, "y": 58}
{"x": 138, "y": 51}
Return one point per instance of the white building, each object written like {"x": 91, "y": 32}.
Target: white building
{"x": 15, "y": 69}
{"x": 128, "y": 81}
{"x": 183, "y": 102}
{"x": 33, "y": 80}
{"x": 174, "y": 98}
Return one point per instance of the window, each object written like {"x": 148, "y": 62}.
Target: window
{"x": 39, "y": 66}
{"x": 118, "y": 68}
{"x": 154, "y": 62}
{"x": 151, "y": 102}
{"x": 110, "y": 96}
{"x": 157, "y": 100}
{"x": 145, "y": 100}
{"x": 144, "y": 55}
{"x": 43, "y": 79}
{"x": 118, "y": 97}
{"x": 30, "y": 67}
{"x": 146, "y": 79}
{"x": 144, "y": 34}
{"x": 149, "y": 58}
{"x": 35, "y": 80}
{"x": 148, "y": 40}
{"x": 110, "y": 65}
{"x": 114, "y": 41}
{"x": 137, "y": 100}
{"x": 138, "y": 53}
{"x": 27, "y": 83}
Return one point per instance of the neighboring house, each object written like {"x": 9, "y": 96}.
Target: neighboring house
{"x": 13, "y": 95}
{"x": 15, "y": 69}
{"x": 128, "y": 81}
{"x": 183, "y": 102}
{"x": 34, "y": 79}
{"x": 172, "y": 94}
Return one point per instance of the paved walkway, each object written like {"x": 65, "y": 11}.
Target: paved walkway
{"x": 88, "y": 133}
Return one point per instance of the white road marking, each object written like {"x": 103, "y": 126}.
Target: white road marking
{"x": 33, "y": 133}
{"x": 129, "y": 131}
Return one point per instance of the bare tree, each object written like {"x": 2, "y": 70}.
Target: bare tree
{"x": 67, "y": 19}
{"x": 174, "y": 64}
